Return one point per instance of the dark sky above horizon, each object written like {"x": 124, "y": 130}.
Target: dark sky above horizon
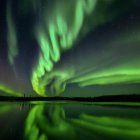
{"x": 70, "y": 48}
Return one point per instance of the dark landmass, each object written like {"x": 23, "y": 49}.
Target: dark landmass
{"x": 114, "y": 98}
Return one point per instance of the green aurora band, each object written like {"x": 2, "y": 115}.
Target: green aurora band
{"x": 58, "y": 25}
{"x": 124, "y": 72}
{"x": 10, "y": 91}
{"x": 11, "y": 37}
{"x": 64, "y": 23}
{"x": 61, "y": 24}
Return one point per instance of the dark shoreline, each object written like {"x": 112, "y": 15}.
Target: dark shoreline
{"x": 115, "y": 98}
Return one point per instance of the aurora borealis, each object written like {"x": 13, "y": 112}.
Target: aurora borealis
{"x": 49, "y": 48}
{"x": 54, "y": 53}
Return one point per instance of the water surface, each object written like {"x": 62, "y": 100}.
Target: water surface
{"x": 71, "y": 121}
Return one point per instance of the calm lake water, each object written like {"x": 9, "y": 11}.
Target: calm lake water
{"x": 69, "y": 121}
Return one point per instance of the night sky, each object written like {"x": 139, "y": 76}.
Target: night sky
{"x": 69, "y": 48}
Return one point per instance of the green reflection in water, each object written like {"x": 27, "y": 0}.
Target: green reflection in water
{"x": 39, "y": 126}
{"x": 109, "y": 127}
{"x": 44, "y": 123}
{"x": 52, "y": 122}
{"x": 4, "y": 108}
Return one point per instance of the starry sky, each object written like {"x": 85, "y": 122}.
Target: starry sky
{"x": 69, "y": 48}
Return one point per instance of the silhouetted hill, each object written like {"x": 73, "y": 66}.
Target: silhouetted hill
{"x": 114, "y": 98}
